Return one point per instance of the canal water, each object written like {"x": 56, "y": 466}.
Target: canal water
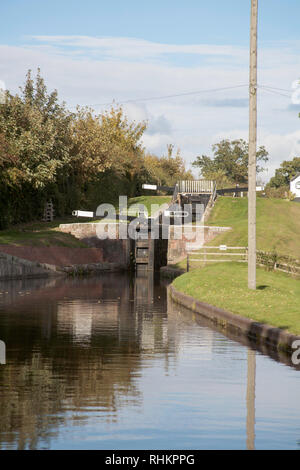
{"x": 111, "y": 363}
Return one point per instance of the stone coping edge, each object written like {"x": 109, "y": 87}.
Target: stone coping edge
{"x": 260, "y": 332}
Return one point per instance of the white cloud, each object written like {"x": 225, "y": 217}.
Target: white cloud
{"x": 2, "y": 92}
{"x": 88, "y": 70}
{"x": 157, "y": 143}
{"x": 136, "y": 111}
{"x": 137, "y": 48}
{"x": 281, "y": 147}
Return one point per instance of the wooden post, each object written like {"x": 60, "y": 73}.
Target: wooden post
{"x": 188, "y": 263}
{"x": 252, "y": 149}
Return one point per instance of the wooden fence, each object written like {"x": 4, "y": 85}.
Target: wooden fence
{"x": 223, "y": 253}
{"x": 220, "y": 254}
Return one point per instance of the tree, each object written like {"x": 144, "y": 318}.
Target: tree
{"x": 77, "y": 159}
{"x": 166, "y": 170}
{"x": 122, "y": 141}
{"x": 34, "y": 136}
{"x": 283, "y": 175}
{"x": 230, "y": 161}
{"x": 48, "y": 152}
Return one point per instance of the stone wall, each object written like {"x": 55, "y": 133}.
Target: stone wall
{"x": 12, "y": 267}
{"x": 111, "y": 250}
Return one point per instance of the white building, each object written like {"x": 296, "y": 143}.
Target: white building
{"x": 295, "y": 185}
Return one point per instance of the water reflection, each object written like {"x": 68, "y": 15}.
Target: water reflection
{"x": 73, "y": 346}
{"x": 251, "y": 400}
{"x": 111, "y": 362}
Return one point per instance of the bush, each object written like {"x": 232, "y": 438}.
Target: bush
{"x": 291, "y": 196}
{"x": 273, "y": 261}
{"x": 277, "y": 193}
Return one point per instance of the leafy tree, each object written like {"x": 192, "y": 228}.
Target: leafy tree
{"x": 122, "y": 140}
{"x": 34, "y": 149}
{"x": 166, "y": 170}
{"x": 89, "y": 151}
{"x": 283, "y": 175}
{"x": 230, "y": 161}
{"x": 48, "y": 152}
{"x": 34, "y": 136}
{"x": 77, "y": 159}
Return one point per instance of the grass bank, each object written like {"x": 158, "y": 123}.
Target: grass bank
{"x": 148, "y": 201}
{"x": 275, "y": 302}
{"x": 278, "y": 224}
{"x": 48, "y": 234}
{"x": 40, "y": 234}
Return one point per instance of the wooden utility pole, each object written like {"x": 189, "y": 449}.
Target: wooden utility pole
{"x": 252, "y": 149}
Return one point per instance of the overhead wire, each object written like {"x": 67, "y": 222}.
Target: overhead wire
{"x": 163, "y": 97}
{"x": 278, "y": 91}
{"x": 274, "y": 91}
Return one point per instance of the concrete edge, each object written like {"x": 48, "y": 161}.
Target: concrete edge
{"x": 259, "y": 332}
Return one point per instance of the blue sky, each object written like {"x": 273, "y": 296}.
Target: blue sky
{"x": 193, "y": 21}
{"x": 95, "y": 51}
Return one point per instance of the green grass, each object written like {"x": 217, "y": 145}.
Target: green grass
{"x": 47, "y": 233}
{"x": 147, "y": 201}
{"x": 278, "y": 224}
{"x": 40, "y": 234}
{"x": 276, "y": 301}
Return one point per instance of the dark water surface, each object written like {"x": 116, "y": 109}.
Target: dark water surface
{"x": 111, "y": 363}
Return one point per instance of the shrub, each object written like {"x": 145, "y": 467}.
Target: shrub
{"x": 278, "y": 193}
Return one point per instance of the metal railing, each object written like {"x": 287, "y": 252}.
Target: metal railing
{"x": 196, "y": 186}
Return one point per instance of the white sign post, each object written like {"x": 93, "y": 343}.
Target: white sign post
{"x": 223, "y": 248}
{"x": 151, "y": 187}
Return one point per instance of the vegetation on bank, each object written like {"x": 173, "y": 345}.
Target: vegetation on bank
{"x": 278, "y": 224}
{"x": 275, "y": 302}
{"x": 224, "y": 285}
{"x": 47, "y": 233}
{"x": 280, "y": 183}
{"x": 77, "y": 159}
{"x": 229, "y": 164}
{"x": 229, "y": 167}
{"x": 149, "y": 201}
{"x": 40, "y": 234}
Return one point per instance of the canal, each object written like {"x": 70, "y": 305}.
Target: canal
{"x": 111, "y": 363}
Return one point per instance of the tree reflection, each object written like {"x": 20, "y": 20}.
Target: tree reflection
{"x": 72, "y": 346}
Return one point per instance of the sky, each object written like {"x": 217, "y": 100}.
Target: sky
{"x": 136, "y": 53}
